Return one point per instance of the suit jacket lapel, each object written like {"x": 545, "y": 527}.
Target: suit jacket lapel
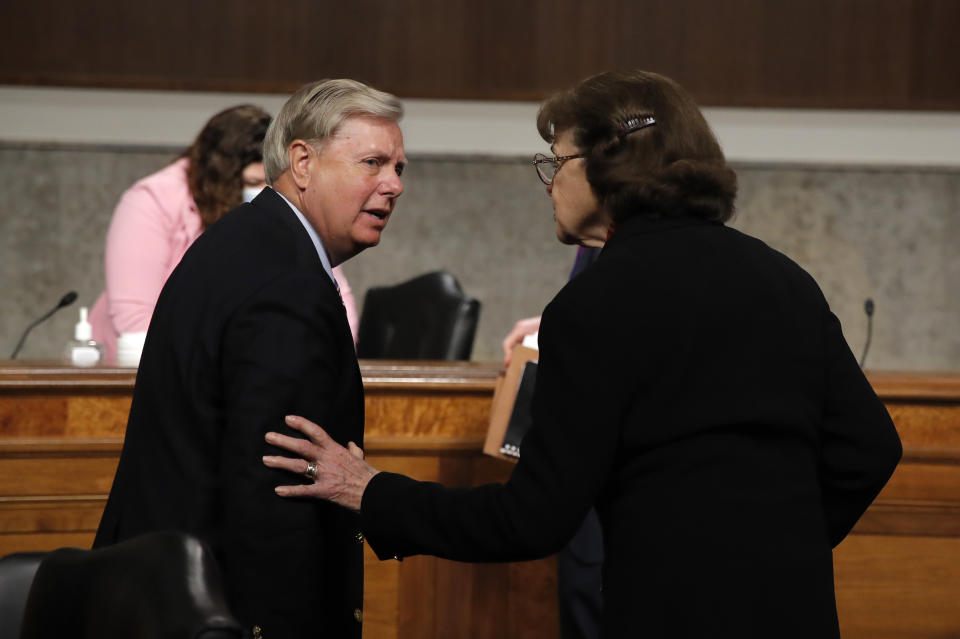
{"x": 274, "y": 205}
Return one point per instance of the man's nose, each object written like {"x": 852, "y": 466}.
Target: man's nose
{"x": 392, "y": 185}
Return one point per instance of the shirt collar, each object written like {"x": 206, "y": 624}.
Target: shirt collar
{"x": 317, "y": 242}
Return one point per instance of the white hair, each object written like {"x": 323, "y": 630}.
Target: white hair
{"x": 315, "y": 112}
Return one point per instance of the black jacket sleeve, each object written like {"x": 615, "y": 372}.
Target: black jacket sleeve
{"x": 280, "y": 357}
{"x": 859, "y": 445}
{"x": 565, "y": 459}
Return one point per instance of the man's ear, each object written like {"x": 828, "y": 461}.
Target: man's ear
{"x": 301, "y": 156}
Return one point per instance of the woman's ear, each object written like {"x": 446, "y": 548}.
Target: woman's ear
{"x": 301, "y": 157}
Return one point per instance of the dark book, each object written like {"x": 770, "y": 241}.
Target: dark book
{"x": 521, "y": 417}
{"x": 502, "y": 413}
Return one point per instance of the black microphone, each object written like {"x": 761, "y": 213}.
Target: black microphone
{"x": 868, "y": 309}
{"x": 66, "y": 300}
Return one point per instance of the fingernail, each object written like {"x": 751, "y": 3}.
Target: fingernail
{"x": 289, "y": 419}
{"x": 280, "y": 490}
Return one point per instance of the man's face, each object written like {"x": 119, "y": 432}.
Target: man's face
{"x": 354, "y": 184}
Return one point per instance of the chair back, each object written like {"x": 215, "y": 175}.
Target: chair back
{"x": 163, "y": 585}
{"x": 428, "y": 317}
{"x": 16, "y": 575}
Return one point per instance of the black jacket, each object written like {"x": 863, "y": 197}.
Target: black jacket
{"x": 694, "y": 386}
{"x": 248, "y": 328}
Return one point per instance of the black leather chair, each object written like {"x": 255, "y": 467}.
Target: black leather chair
{"x": 428, "y": 317}
{"x": 16, "y": 575}
{"x": 162, "y": 585}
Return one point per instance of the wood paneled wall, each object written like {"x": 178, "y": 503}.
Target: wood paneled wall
{"x": 874, "y": 54}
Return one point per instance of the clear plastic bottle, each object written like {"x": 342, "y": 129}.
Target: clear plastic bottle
{"x": 82, "y": 350}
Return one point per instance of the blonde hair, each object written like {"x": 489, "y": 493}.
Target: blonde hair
{"x": 315, "y": 112}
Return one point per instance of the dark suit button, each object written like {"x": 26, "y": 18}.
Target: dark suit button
{"x": 359, "y": 537}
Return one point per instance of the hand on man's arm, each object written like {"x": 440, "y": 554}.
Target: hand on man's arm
{"x": 339, "y": 474}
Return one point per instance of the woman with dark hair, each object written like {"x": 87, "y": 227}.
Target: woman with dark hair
{"x": 159, "y": 217}
{"x": 693, "y": 386}
{"x": 226, "y": 161}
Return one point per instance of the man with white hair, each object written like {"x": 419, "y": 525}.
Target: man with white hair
{"x": 249, "y": 328}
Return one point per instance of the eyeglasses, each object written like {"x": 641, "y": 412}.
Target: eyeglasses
{"x": 547, "y": 166}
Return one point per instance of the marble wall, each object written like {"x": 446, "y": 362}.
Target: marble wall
{"x": 890, "y": 234}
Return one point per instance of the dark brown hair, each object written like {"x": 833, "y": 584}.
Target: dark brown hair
{"x": 230, "y": 141}
{"x": 674, "y": 167}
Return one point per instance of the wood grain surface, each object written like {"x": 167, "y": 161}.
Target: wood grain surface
{"x": 897, "y": 574}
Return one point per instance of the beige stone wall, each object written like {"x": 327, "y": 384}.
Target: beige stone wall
{"x": 888, "y": 234}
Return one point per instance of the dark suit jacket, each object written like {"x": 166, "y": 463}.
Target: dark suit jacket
{"x": 693, "y": 385}
{"x": 248, "y": 328}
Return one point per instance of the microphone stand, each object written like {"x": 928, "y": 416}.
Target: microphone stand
{"x": 868, "y": 309}
{"x": 66, "y": 300}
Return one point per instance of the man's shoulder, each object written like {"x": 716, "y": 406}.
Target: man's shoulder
{"x": 249, "y": 252}
{"x": 253, "y": 233}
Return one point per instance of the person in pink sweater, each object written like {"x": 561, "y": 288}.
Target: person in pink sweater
{"x": 159, "y": 217}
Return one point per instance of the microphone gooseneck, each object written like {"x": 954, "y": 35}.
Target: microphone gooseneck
{"x": 66, "y": 300}
{"x": 868, "y": 308}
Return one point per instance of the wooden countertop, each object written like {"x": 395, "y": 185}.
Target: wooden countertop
{"x": 377, "y": 375}
{"x": 427, "y": 375}
{"x": 61, "y": 432}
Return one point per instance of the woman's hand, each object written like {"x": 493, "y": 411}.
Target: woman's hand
{"x": 520, "y": 330}
{"x": 339, "y": 475}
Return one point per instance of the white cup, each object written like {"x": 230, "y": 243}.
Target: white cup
{"x": 129, "y": 348}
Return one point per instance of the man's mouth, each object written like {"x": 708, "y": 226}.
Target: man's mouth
{"x": 378, "y": 213}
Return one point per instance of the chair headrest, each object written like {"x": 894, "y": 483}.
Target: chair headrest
{"x": 162, "y": 584}
{"x": 427, "y": 317}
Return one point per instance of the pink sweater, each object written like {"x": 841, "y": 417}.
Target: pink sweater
{"x": 154, "y": 224}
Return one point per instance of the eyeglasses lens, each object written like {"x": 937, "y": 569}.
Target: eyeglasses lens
{"x": 546, "y": 167}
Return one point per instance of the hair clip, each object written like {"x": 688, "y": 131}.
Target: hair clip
{"x": 636, "y": 123}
